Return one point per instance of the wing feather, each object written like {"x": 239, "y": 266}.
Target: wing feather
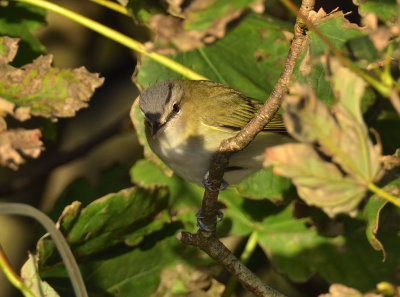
{"x": 234, "y": 117}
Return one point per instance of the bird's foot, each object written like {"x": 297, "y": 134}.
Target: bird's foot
{"x": 208, "y": 186}
{"x": 200, "y": 223}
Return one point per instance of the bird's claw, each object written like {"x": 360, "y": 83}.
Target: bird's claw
{"x": 208, "y": 186}
{"x": 203, "y": 226}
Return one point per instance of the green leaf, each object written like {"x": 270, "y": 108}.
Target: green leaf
{"x": 47, "y": 91}
{"x": 19, "y": 20}
{"x": 265, "y": 184}
{"x": 385, "y": 10}
{"x": 213, "y": 11}
{"x": 107, "y": 221}
{"x": 144, "y": 173}
{"x": 298, "y": 249}
{"x": 111, "y": 180}
{"x": 337, "y": 29}
{"x": 142, "y": 10}
{"x": 250, "y": 73}
{"x": 128, "y": 272}
{"x": 351, "y": 40}
{"x": 371, "y": 212}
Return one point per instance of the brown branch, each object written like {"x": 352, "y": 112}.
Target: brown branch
{"x": 216, "y": 250}
{"x": 206, "y": 240}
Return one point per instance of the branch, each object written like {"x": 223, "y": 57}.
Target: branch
{"x": 262, "y": 118}
{"x": 206, "y": 240}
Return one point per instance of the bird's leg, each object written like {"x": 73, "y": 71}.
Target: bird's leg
{"x": 200, "y": 223}
{"x": 208, "y": 186}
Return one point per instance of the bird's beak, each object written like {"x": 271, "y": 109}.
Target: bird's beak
{"x": 154, "y": 128}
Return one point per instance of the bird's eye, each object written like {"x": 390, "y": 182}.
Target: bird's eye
{"x": 175, "y": 107}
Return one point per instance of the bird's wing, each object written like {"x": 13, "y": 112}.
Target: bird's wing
{"x": 233, "y": 117}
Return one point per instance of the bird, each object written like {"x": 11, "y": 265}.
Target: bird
{"x": 186, "y": 120}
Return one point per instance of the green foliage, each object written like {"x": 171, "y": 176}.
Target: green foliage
{"x": 385, "y": 10}
{"x": 311, "y": 206}
{"x": 19, "y": 20}
{"x": 255, "y": 69}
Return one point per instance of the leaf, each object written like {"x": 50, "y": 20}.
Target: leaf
{"x": 31, "y": 278}
{"x": 182, "y": 26}
{"x": 338, "y": 290}
{"x": 337, "y": 29}
{"x": 19, "y": 20}
{"x": 265, "y": 184}
{"x": 47, "y": 91}
{"x": 182, "y": 279}
{"x": 15, "y": 144}
{"x": 372, "y": 211}
{"x": 112, "y": 219}
{"x": 251, "y": 74}
{"x": 182, "y": 193}
{"x": 340, "y": 135}
{"x": 385, "y": 10}
{"x": 351, "y": 40}
{"x": 127, "y": 272}
{"x": 297, "y": 247}
{"x": 318, "y": 182}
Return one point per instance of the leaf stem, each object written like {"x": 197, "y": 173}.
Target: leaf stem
{"x": 58, "y": 238}
{"x": 385, "y": 195}
{"x": 12, "y": 276}
{"x": 113, "y": 6}
{"x": 116, "y": 36}
{"x": 251, "y": 245}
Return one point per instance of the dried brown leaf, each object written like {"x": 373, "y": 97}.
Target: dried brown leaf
{"x": 9, "y": 50}
{"x": 174, "y": 29}
{"x": 391, "y": 161}
{"x": 47, "y": 91}
{"x": 340, "y": 134}
{"x": 170, "y": 29}
{"x": 380, "y": 38}
{"x": 17, "y": 143}
{"x": 194, "y": 283}
{"x": 338, "y": 290}
{"x": 19, "y": 113}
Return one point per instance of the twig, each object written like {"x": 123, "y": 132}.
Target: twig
{"x": 379, "y": 86}
{"x": 216, "y": 250}
{"x": 207, "y": 240}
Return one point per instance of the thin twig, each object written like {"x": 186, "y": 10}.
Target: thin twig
{"x": 207, "y": 240}
{"x": 379, "y": 86}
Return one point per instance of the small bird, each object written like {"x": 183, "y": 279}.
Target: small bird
{"x": 186, "y": 120}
